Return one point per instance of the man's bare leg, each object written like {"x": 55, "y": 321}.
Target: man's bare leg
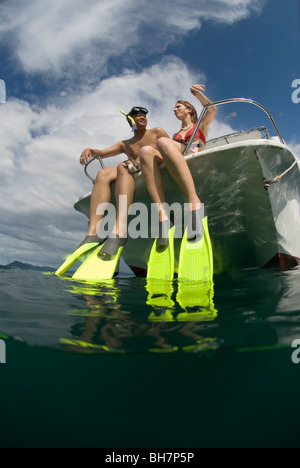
{"x": 101, "y": 194}
{"x": 125, "y": 191}
{"x": 125, "y": 187}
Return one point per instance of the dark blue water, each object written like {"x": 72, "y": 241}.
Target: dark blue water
{"x": 127, "y": 363}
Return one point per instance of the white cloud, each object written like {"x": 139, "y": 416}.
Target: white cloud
{"x": 295, "y": 148}
{"x": 62, "y": 37}
{"x": 39, "y": 148}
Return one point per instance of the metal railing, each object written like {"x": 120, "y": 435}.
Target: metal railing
{"x": 265, "y": 135}
{"x": 87, "y": 165}
{"x": 231, "y": 101}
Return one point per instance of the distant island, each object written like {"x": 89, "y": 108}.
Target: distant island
{"x": 28, "y": 266}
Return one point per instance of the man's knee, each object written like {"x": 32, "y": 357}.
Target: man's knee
{"x": 148, "y": 156}
{"x": 146, "y": 152}
{"x": 122, "y": 170}
{"x": 107, "y": 175}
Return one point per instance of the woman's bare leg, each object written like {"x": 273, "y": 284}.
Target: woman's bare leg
{"x": 179, "y": 170}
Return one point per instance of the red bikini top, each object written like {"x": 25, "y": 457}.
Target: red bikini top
{"x": 199, "y": 136}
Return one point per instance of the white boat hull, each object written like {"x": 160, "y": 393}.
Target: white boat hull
{"x": 251, "y": 226}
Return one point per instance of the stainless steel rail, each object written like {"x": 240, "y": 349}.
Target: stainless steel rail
{"x": 87, "y": 165}
{"x": 231, "y": 101}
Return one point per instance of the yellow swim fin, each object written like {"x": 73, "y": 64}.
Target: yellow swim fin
{"x": 161, "y": 263}
{"x": 196, "y": 257}
{"x": 97, "y": 267}
{"x": 75, "y": 256}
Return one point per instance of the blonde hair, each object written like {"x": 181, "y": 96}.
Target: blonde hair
{"x": 188, "y": 105}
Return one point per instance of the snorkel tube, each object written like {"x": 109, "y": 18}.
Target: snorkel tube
{"x": 133, "y": 124}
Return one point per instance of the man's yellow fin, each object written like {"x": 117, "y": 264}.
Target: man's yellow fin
{"x": 97, "y": 267}
{"x": 75, "y": 256}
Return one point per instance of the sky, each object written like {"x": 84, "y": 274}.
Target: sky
{"x": 70, "y": 66}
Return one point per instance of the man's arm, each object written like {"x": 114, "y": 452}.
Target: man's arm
{"x": 90, "y": 153}
{"x": 161, "y": 133}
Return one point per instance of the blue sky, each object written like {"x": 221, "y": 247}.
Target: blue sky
{"x": 257, "y": 58}
{"x": 71, "y": 65}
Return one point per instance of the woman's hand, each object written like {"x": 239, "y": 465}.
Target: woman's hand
{"x": 197, "y": 89}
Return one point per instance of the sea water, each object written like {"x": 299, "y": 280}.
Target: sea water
{"x": 128, "y": 363}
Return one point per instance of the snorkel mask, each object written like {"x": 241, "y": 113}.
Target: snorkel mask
{"x": 133, "y": 124}
{"x": 134, "y": 111}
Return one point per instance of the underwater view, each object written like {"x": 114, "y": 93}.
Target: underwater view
{"x": 136, "y": 363}
{"x": 149, "y": 226}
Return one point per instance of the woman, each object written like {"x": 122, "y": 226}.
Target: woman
{"x": 170, "y": 152}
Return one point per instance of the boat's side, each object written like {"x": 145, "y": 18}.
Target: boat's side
{"x": 249, "y": 224}
{"x": 280, "y": 167}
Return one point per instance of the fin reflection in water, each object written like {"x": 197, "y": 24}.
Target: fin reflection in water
{"x": 102, "y": 316}
{"x": 196, "y": 300}
{"x": 173, "y": 318}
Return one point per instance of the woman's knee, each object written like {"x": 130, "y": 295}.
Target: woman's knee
{"x": 163, "y": 144}
{"x": 169, "y": 148}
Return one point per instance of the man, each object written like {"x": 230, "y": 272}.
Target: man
{"x": 124, "y": 177}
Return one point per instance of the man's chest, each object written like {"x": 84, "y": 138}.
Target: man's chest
{"x": 133, "y": 149}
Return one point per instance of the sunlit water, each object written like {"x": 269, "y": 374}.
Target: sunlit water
{"x": 130, "y": 315}
{"x": 180, "y": 348}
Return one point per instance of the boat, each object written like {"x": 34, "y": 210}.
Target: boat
{"x": 250, "y": 184}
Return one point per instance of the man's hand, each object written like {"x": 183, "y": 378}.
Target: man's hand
{"x": 86, "y": 156}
